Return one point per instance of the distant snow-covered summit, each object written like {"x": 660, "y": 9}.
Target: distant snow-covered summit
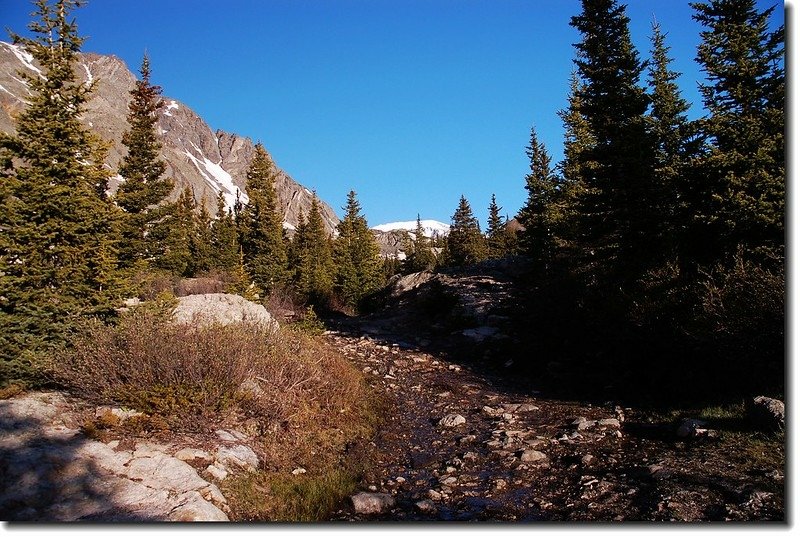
{"x": 431, "y": 228}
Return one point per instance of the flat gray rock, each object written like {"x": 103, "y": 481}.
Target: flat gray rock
{"x": 371, "y": 503}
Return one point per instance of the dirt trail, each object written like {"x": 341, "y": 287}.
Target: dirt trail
{"x": 519, "y": 456}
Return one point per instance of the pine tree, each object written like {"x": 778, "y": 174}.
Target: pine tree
{"x": 144, "y": 189}
{"x": 58, "y": 254}
{"x": 200, "y": 242}
{"x": 419, "y": 255}
{"x": 540, "y": 215}
{"x": 312, "y": 258}
{"x": 261, "y": 226}
{"x": 359, "y": 269}
{"x": 496, "y": 232}
{"x": 576, "y": 168}
{"x": 466, "y": 244}
{"x": 175, "y": 232}
{"x": 741, "y": 200}
{"x": 616, "y": 218}
{"x": 674, "y": 142}
{"x": 224, "y": 238}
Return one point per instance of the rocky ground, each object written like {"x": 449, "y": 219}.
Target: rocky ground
{"x": 459, "y": 445}
{"x": 463, "y": 441}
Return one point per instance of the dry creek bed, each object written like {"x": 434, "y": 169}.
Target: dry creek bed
{"x": 457, "y": 445}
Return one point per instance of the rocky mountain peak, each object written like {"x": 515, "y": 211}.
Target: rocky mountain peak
{"x": 206, "y": 161}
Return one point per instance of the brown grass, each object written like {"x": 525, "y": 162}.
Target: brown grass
{"x": 303, "y": 401}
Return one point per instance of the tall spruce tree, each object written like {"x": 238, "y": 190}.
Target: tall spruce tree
{"x": 200, "y": 242}
{"x": 674, "y": 146}
{"x": 466, "y": 245}
{"x": 499, "y": 239}
{"x": 312, "y": 258}
{"x": 261, "y": 226}
{"x": 616, "y": 216}
{"x": 224, "y": 238}
{"x": 540, "y": 214}
{"x": 741, "y": 200}
{"x": 58, "y": 260}
{"x": 175, "y": 232}
{"x": 359, "y": 268}
{"x": 576, "y": 167}
{"x": 419, "y": 255}
{"x": 144, "y": 190}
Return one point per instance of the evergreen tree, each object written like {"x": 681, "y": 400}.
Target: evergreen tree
{"x": 175, "y": 232}
{"x": 261, "y": 226}
{"x": 616, "y": 216}
{"x": 419, "y": 255}
{"x": 740, "y": 201}
{"x": 224, "y": 238}
{"x": 57, "y": 253}
{"x": 540, "y": 214}
{"x": 312, "y": 258}
{"x": 144, "y": 189}
{"x": 466, "y": 244}
{"x": 576, "y": 168}
{"x": 200, "y": 249}
{"x": 359, "y": 269}
{"x": 671, "y": 132}
{"x": 496, "y": 232}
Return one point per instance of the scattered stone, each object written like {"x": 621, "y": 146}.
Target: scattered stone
{"x": 425, "y": 506}
{"x": 371, "y": 503}
{"x": 217, "y": 472}
{"x": 691, "y": 428}
{"x": 481, "y": 333}
{"x": 500, "y": 484}
{"x": 231, "y": 436}
{"x": 586, "y": 425}
{"x": 194, "y": 455}
{"x": 239, "y": 456}
{"x": 654, "y": 468}
{"x": 532, "y": 455}
{"x": 452, "y": 420}
{"x": 433, "y": 495}
{"x": 609, "y": 422}
{"x": 526, "y": 407}
{"x": 298, "y": 471}
{"x": 588, "y": 459}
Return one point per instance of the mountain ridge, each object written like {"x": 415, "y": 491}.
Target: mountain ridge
{"x": 208, "y": 161}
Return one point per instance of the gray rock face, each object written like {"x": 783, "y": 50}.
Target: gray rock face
{"x": 371, "y": 503}
{"x": 767, "y": 413}
{"x": 51, "y": 472}
{"x": 223, "y": 309}
{"x": 206, "y": 161}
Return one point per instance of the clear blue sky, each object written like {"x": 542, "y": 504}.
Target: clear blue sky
{"x": 409, "y": 102}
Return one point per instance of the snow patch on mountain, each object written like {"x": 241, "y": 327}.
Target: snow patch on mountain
{"x": 430, "y": 228}
{"x": 25, "y": 57}
{"x": 173, "y": 105}
{"x": 217, "y": 178}
{"x": 89, "y": 77}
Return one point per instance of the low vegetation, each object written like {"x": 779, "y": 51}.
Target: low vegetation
{"x": 303, "y": 402}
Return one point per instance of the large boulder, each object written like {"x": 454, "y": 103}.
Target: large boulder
{"x": 221, "y": 309}
{"x": 767, "y": 413}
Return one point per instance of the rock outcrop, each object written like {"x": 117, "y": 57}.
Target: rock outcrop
{"x": 207, "y": 161}
{"x": 222, "y": 309}
{"x": 51, "y": 472}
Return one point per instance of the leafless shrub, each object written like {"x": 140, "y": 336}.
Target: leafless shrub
{"x": 193, "y": 376}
